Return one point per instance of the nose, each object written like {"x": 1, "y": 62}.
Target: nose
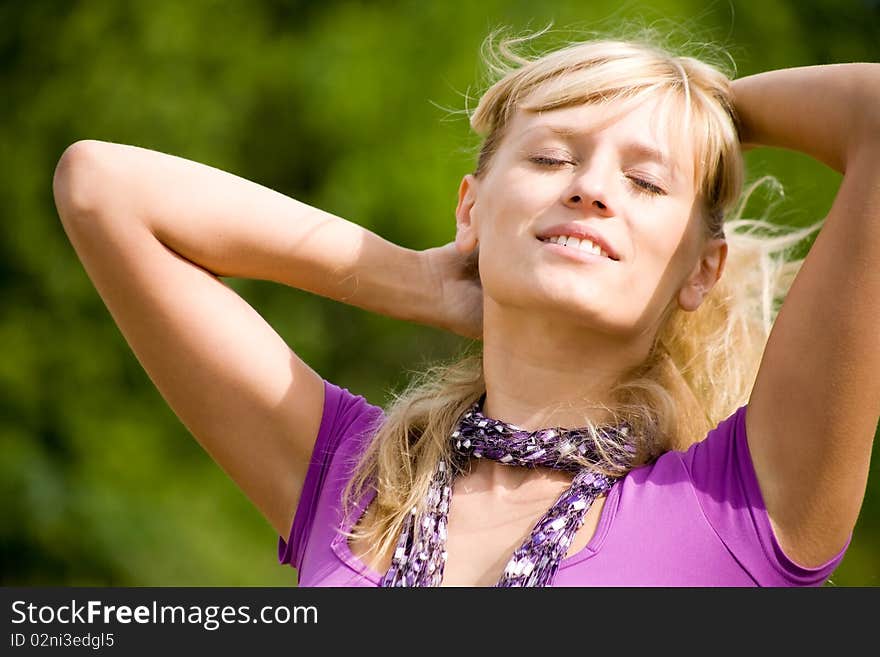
{"x": 598, "y": 203}
{"x": 588, "y": 191}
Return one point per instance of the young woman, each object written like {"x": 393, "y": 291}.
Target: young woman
{"x": 630, "y": 417}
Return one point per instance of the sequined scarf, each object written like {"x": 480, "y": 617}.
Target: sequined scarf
{"x": 420, "y": 554}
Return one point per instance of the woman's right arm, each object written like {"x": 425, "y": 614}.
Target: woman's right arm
{"x": 155, "y": 232}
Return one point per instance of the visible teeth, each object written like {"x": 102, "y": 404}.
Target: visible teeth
{"x": 581, "y": 244}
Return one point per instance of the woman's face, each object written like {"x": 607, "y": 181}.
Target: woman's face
{"x": 614, "y": 174}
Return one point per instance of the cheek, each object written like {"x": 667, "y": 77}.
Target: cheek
{"x": 517, "y": 191}
{"x": 661, "y": 262}
{"x": 666, "y": 238}
{"x": 504, "y": 215}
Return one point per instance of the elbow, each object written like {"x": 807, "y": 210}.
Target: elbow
{"x": 76, "y": 182}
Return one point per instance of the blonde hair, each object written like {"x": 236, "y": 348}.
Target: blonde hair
{"x": 702, "y": 364}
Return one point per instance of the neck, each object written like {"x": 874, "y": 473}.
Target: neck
{"x": 540, "y": 374}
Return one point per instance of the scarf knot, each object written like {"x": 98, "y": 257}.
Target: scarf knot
{"x": 479, "y": 436}
{"x": 420, "y": 554}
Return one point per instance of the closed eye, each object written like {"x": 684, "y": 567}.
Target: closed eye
{"x": 642, "y": 185}
{"x": 647, "y": 187}
{"x": 543, "y": 160}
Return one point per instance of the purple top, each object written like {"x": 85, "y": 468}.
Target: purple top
{"x": 694, "y": 518}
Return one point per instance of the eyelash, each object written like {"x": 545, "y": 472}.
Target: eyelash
{"x": 645, "y": 187}
{"x": 642, "y": 186}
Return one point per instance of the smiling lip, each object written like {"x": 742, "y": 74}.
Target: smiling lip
{"x": 580, "y": 231}
{"x": 575, "y": 254}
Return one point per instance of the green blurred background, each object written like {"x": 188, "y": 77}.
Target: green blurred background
{"x": 354, "y": 107}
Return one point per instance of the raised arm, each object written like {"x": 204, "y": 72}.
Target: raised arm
{"x": 814, "y": 408}
{"x": 155, "y": 232}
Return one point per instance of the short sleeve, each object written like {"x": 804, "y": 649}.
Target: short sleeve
{"x": 727, "y": 487}
{"x": 346, "y": 422}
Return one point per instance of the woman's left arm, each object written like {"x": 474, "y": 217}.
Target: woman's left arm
{"x": 815, "y": 405}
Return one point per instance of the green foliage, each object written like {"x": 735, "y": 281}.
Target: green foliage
{"x": 354, "y": 107}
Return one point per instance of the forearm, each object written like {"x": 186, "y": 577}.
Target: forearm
{"x": 828, "y": 112}
{"x": 233, "y": 227}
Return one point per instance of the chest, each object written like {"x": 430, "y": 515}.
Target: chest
{"x": 483, "y": 531}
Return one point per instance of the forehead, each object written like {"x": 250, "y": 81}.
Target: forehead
{"x": 647, "y": 128}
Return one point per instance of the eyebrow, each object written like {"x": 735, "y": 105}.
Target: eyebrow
{"x": 639, "y": 149}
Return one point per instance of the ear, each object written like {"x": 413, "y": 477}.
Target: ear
{"x": 465, "y": 226}
{"x": 705, "y": 274}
